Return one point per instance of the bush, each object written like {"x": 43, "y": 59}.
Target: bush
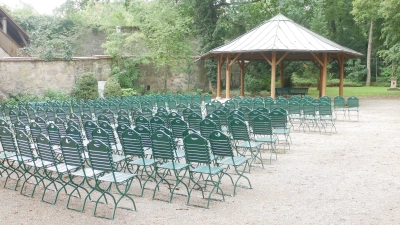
{"x": 86, "y": 87}
{"x": 252, "y": 85}
{"x": 347, "y": 83}
{"x": 112, "y": 88}
{"x": 21, "y": 97}
{"x": 128, "y": 92}
{"x": 297, "y": 81}
{"x": 56, "y": 95}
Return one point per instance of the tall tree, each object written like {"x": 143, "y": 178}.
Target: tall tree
{"x": 390, "y": 11}
{"x": 366, "y": 12}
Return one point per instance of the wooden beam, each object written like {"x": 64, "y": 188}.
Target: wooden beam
{"x": 324, "y": 73}
{"x": 287, "y": 64}
{"x": 242, "y": 68}
{"x": 282, "y": 69}
{"x": 219, "y": 76}
{"x": 228, "y": 77}
{"x": 245, "y": 66}
{"x": 234, "y": 59}
{"x": 282, "y": 58}
{"x": 341, "y": 74}
{"x": 316, "y": 64}
{"x": 316, "y": 58}
{"x": 265, "y": 57}
{"x": 273, "y": 74}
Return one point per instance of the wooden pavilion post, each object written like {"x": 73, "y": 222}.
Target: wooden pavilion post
{"x": 241, "y": 64}
{"x": 273, "y": 74}
{"x": 341, "y": 74}
{"x": 219, "y": 77}
{"x": 228, "y": 76}
{"x": 282, "y": 68}
{"x": 324, "y": 73}
{"x": 321, "y": 68}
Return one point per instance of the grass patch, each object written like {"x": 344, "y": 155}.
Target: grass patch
{"x": 359, "y": 92}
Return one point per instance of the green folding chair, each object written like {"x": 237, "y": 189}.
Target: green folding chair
{"x": 262, "y": 132}
{"x": 203, "y": 173}
{"x": 132, "y": 145}
{"x": 101, "y": 158}
{"x": 222, "y": 148}
{"x": 242, "y": 140}
{"x": 164, "y": 151}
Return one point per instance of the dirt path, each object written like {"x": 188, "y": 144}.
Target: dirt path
{"x": 352, "y": 177}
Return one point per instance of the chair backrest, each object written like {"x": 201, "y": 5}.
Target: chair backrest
{"x": 222, "y": 117}
{"x": 196, "y": 149}
{"x": 19, "y": 125}
{"x": 44, "y": 149}
{"x": 262, "y": 125}
{"x": 338, "y": 101}
{"x": 71, "y": 152}
{"x": 7, "y": 140}
{"x": 196, "y": 108}
{"x": 75, "y": 134}
{"x": 54, "y": 133}
{"x": 194, "y": 121}
{"x": 147, "y": 112}
{"x": 210, "y": 107}
{"x": 189, "y": 131}
{"x": 110, "y": 131}
{"x": 238, "y": 129}
{"x": 353, "y": 102}
{"x": 294, "y": 108}
{"x": 220, "y": 144}
{"x": 325, "y": 109}
{"x": 309, "y": 109}
{"x": 102, "y": 135}
{"x": 100, "y": 156}
{"x": 278, "y": 119}
{"x": 186, "y": 113}
{"x": 145, "y": 133}
{"x": 162, "y": 146}
{"x": 131, "y": 142}
{"x": 24, "y": 145}
{"x": 123, "y": 120}
{"x": 252, "y": 115}
{"x": 142, "y": 121}
{"x": 61, "y": 125}
{"x": 207, "y": 126}
{"x": 89, "y": 126}
{"x": 156, "y": 122}
{"x": 178, "y": 126}
{"x": 207, "y": 98}
{"x": 213, "y": 117}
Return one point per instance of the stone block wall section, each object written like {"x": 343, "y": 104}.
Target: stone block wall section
{"x": 34, "y": 76}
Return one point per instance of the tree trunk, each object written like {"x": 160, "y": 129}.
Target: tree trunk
{"x": 371, "y": 30}
{"x": 394, "y": 70}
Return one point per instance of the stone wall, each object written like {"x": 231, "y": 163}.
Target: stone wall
{"x": 34, "y": 76}
{"x": 161, "y": 79}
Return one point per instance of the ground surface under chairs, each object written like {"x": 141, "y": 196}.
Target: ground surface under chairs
{"x": 355, "y": 169}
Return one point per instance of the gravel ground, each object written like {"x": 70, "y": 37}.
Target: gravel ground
{"x": 351, "y": 177}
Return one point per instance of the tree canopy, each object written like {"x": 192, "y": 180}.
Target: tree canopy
{"x": 170, "y": 33}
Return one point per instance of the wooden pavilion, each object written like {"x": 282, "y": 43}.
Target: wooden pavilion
{"x": 280, "y": 41}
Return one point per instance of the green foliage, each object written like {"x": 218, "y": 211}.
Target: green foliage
{"x": 50, "y": 94}
{"x": 49, "y": 34}
{"x": 298, "y": 81}
{"x": 21, "y": 97}
{"x": 128, "y": 92}
{"x": 253, "y": 85}
{"x": 126, "y": 71}
{"x": 347, "y": 83}
{"x": 355, "y": 70}
{"x": 112, "y": 88}
{"x": 86, "y": 87}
